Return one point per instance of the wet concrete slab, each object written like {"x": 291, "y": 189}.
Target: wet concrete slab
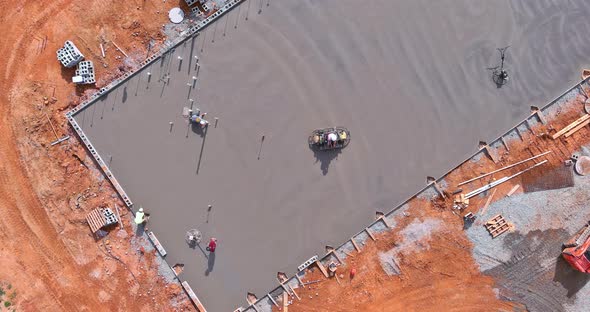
{"x": 409, "y": 79}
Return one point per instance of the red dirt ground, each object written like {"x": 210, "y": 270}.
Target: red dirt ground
{"x": 48, "y": 255}
{"x": 53, "y": 263}
{"x": 442, "y": 278}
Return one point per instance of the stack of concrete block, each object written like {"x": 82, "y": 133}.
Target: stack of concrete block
{"x": 191, "y": 2}
{"x": 84, "y": 73}
{"x": 69, "y": 55}
{"x": 197, "y": 12}
{"x": 109, "y": 216}
{"x": 207, "y": 6}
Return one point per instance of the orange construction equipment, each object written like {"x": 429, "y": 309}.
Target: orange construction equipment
{"x": 575, "y": 250}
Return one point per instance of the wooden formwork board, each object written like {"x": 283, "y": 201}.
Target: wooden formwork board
{"x": 571, "y": 126}
{"x": 355, "y": 245}
{"x": 370, "y": 234}
{"x": 294, "y": 293}
{"x": 157, "y": 244}
{"x": 285, "y": 302}
{"x": 337, "y": 256}
{"x": 384, "y": 219}
{"x": 193, "y": 296}
{"x": 322, "y": 268}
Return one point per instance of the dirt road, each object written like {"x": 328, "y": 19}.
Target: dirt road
{"x": 48, "y": 256}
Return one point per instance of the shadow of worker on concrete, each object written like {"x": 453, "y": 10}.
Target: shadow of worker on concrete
{"x": 140, "y": 229}
{"x": 196, "y": 128}
{"x": 203, "y": 133}
{"x": 325, "y": 157}
{"x": 210, "y": 263}
{"x": 202, "y": 250}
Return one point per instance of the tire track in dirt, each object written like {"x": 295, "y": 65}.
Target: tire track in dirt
{"x": 38, "y": 247}
{"x": 39, "y": 226}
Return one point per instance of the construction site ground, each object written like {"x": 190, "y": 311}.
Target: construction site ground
{"x": 416, "y": 100}
{"x": 443, "y": 265}
{"x": 50, "y": 261}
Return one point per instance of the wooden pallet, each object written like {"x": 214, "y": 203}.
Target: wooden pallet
{"x": 497, "y": 226}
{"x": 96, "y": 220}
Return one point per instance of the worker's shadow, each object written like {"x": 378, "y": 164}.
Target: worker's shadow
{"x": 569, "y": 278}
{"x": 196, "y": 128}
{"x": 124, "y": 97}
{"x": 140, "y": 229}
{"x": 210, "y": 263}
{"x": 68, "y": 73}
{"x": 325, "y": 158}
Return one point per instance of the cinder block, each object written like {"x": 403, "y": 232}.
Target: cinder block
{"x": 69, "y": 55}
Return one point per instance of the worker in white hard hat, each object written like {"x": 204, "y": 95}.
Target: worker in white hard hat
{"x": 140, "y": 217}
{"x": 332, "y": 137}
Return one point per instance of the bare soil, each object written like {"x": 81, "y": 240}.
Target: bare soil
{"x": 437, "y": 274}
{"x": 53, "y": 263}
{"x": 48, "y": 255}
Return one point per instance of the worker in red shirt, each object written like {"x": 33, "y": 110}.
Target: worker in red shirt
{"x": 212, "y": 244}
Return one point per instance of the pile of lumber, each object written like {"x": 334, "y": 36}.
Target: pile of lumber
{"x": 573, "y": 127}
{"x": 460, "y": 202}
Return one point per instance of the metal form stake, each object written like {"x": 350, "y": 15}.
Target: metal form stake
{"x": 52, "y": 128}
{"x": 57, "y": 139}
{"x": 260, "y": 149}
{"x": 208, "y": 212}
{"x": 119, "y": 216}
{"x": 121, "y": 50}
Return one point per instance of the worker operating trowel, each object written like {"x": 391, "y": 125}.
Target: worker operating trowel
{"x": 197, "y": 117}
{"x": 141, "y": 219}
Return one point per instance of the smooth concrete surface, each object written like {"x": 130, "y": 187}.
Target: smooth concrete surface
{"x": 408, "y": 78}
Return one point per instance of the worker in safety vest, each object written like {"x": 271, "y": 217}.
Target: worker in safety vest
{"x": 140, "y": 217}
{"x": 199, "y": 118}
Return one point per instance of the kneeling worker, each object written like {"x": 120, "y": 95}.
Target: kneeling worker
{"x": 140, "y": 217}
